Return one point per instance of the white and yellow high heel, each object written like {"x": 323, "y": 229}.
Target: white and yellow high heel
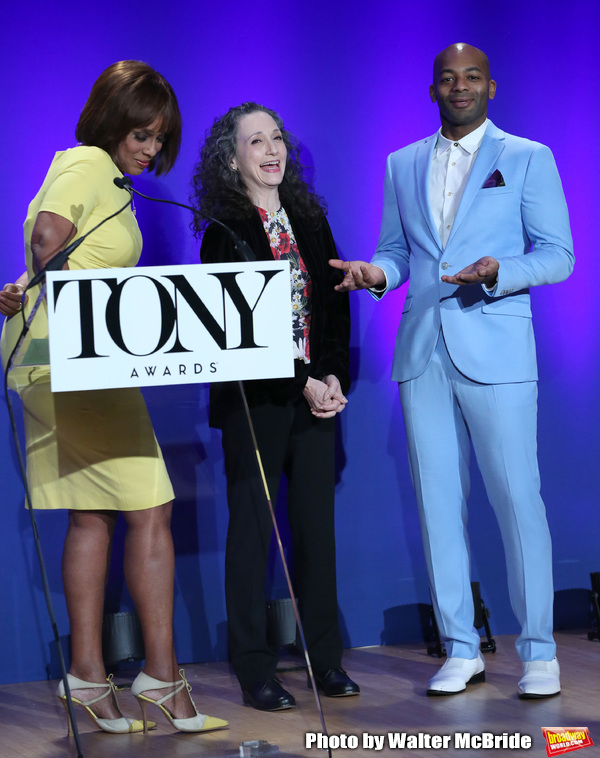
{"x": 122, "y": 725}
{"x": 198, "y": 723}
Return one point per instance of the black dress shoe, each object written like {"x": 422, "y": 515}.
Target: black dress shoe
{"x": 335, "y": 683}
{"x": 268, "y": 696}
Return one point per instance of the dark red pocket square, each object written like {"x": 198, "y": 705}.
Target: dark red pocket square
{"x": 495, "y": 180}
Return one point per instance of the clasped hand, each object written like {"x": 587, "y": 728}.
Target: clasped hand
{"x": 324, "y": 397}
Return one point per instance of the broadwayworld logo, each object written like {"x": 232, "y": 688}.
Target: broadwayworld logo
{"x": 561, "y": 740}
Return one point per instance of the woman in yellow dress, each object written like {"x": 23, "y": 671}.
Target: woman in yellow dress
{"x": 95, "y": 453}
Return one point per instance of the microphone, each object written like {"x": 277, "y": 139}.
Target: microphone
{"x": 123, "y": 182}
{"x": 239, "y": 245}
{"x": 58, "y": 260}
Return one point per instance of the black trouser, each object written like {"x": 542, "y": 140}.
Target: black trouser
{"x": 290, "y": 439}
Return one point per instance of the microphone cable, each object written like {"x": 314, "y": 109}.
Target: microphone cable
{"x": 239, "y": 245}
{"x": 244, "y": 249}
{"x": 56, "y": 262}
{"x": 34, "y": 528}
{"x": 285, "y": 565}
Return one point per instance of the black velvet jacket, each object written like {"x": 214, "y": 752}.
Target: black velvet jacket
{"x": 330, "y": 310}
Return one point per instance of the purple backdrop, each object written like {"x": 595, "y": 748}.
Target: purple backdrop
{"x": 353, "y": 85}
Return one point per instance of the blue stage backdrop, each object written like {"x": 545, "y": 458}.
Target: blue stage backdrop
{"x": 352, "y": 83}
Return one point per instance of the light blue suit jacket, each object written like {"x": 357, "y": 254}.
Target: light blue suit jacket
{"x": 524, "y": 225}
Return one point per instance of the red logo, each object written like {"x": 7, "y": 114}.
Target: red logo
{"x": 561, "y": 740}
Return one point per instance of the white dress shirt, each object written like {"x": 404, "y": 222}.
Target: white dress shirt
{"x": 451, "y": 166}
{"x": 450, "y": 169}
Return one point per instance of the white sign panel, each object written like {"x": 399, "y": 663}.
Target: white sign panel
{"x": 157, "y": 325}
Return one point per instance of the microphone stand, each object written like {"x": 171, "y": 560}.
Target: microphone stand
{"x": 34, "y": 528}
{"x": 247, "y": 254}
{"x": 284, "y": 563}
{"x": 55, "y": 263}
{"x": 58, "y": 261}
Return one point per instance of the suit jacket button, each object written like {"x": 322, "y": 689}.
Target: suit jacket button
{"x": 445, "y": 265}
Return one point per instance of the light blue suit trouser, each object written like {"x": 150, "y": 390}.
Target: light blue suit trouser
{"x": 442, "y": 411}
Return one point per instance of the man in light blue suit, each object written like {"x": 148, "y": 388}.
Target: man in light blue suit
{"x": 473, "y": 217}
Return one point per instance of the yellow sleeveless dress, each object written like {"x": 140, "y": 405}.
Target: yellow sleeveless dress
{"x": 85, "y": 450}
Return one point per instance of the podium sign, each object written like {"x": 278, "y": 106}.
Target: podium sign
{"x": 158, "y": 325}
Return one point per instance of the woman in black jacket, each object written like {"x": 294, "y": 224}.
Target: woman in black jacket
{"x": 249, "y": 177}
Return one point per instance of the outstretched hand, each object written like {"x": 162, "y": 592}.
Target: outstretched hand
{"x": 358, "y": 275}
{"x": 483, "y": 271}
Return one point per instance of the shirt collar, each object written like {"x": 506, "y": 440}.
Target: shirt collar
{"x": 470, "y": 142}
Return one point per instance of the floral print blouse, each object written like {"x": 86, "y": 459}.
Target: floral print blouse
{"x": 284, "y": 247}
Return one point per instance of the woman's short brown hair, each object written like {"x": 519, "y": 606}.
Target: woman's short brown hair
{"x": 129, "y": 95}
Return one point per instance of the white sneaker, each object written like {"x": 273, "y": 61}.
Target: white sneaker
{"x": 455, "y": 674}
{"x": 540, "y": 679}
